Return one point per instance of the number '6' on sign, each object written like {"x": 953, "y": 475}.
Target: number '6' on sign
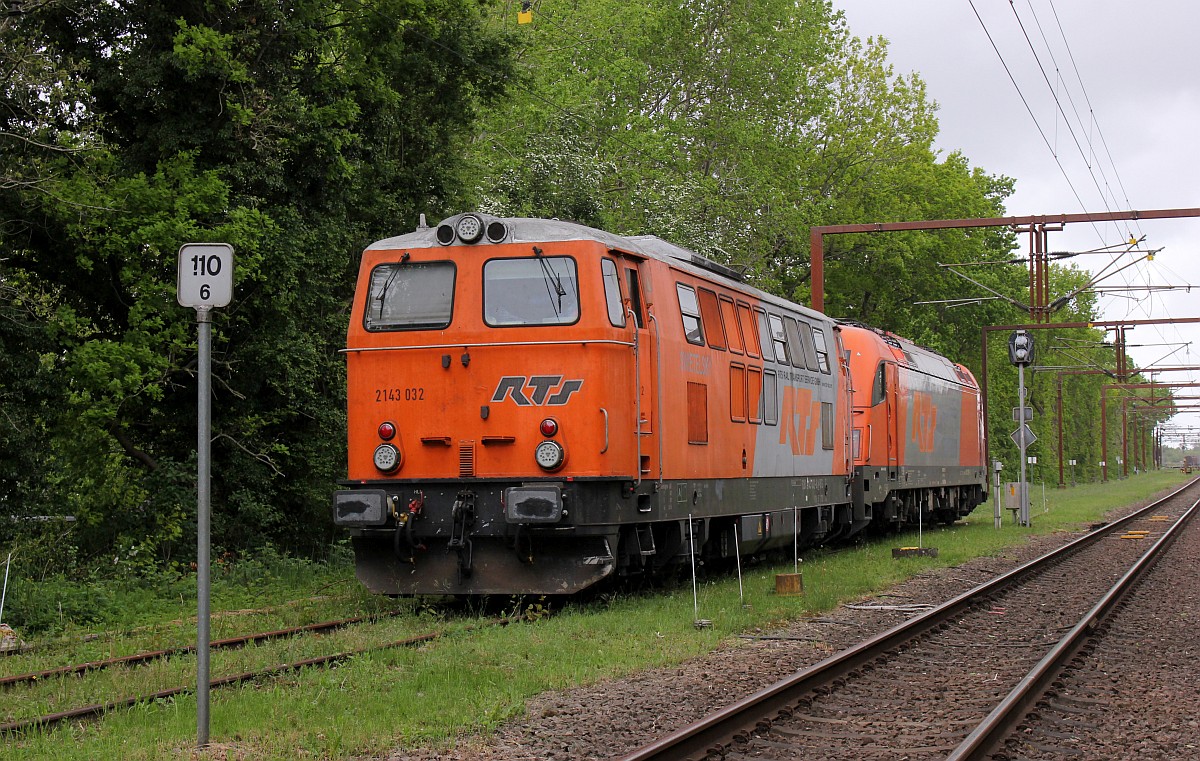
{"x": 205, "y": 275}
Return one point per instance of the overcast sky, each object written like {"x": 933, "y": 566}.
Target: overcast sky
{"x": 1127, "y": 76}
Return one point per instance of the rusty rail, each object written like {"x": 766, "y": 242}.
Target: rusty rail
{"x": 1004, "y": 717}
{"x": 153, "y": 655}
{"x": 713, "y": 735}
{"x": 98, "y": 709}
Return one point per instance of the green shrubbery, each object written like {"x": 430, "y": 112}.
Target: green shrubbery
{"x": 128, "y": 595}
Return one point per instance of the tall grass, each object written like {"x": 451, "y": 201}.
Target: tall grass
{"x": 467, "y": 684}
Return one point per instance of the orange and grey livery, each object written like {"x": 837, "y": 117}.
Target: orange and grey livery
{"x": 535, "y": 406}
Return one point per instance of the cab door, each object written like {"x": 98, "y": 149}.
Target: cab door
{"x": 644, "y": 333}
{"x": 895, "y": 426}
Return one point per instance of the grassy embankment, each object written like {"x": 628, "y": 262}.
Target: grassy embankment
{"x": 467, "y": 683}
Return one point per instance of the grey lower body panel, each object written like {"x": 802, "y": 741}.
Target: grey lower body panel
{"x": 564, "y": 566}
{"x": 561, "y": 537}
{"x": 953, "y": 491}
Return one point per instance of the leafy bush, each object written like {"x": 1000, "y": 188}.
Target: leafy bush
{"x": 57, "y": 602}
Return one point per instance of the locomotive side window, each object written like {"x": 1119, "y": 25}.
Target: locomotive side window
{"x": 754, "y": 388}
{"x": 711, "y": 314}
{"x": 826, "y": 425}
{"x": 612, "y": 292}
{"x": 770, "y": 397}
{"x": 737, "y": 392}
{"x": 822, "y": 349}
{"x": 733, "y": 331}
{"x": 793, "y": 334}
{"x": 746, "y": 320}
{"x": 689, "y": 309}
{"x": 635, "y": 296}
{"x": 879, "y": 389}
{"x": 408, "y": 296}
{"x": 811, "y": 358}
{"x": 764, "y": 336}
{"x": 778, "y": 338}
{"x": 540, "y": 290}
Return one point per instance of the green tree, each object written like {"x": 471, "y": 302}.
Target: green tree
{"x": 733, "y": 129}
{"x": 298, "y": 133}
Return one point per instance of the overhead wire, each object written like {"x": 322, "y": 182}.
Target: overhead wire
{"x": 1025, "y": 101}
{"x": 1149, "y": 303}
{"x": 1059, "y": 110}
{"x": 1090, "y": 157}
{"x": 1091, "y": 109}
{"x": 1029, "y": 109}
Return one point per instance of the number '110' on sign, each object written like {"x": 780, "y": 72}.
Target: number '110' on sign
{"x": 205, "y": 275}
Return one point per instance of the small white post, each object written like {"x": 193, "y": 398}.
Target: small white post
{"x": 692, "y": 552}
{"x": 737, "y": 551}
{"x": 4, "y": 592}
{"x": 795, "y": 539}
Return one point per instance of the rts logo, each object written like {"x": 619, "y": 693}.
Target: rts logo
{"x": 800, "y": 420}
{"x": 924, "y": 421}
{"x": 536, "y": 390}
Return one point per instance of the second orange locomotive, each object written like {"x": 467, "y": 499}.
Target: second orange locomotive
{"x": 536, "y": 406}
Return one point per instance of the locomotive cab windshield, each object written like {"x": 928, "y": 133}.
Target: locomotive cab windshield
{"x": 410, "y": 296}
{"x": 538, "y": 290}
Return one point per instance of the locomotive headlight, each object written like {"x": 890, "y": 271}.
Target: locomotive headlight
{"x": 497, "y": 231}
{"x": 550, "y": 455}
{"x": 387, "y": 457}
{"x": 469, "y": 228}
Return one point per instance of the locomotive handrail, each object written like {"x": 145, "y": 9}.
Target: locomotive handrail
{"x": 637, "y": 400}
{"x": 657, "y": 425}
{"x": 605, "y": 413}
{"x": 486, "y": 344}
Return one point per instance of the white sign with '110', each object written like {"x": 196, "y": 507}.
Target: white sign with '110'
{"x": 205, "y": 275}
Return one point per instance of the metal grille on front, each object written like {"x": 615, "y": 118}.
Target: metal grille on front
{"x": 466, "y": 459}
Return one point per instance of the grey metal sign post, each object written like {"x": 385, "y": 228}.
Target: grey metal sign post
{"x": 1020, "y": 353}
{"x": 998, "y": 467}
{"x": 204, "y": 280}
{"x": 1024, "y": 445}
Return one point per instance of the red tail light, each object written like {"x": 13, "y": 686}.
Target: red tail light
{"x": 387, "y": 431}
{"x": 548, "y": 427}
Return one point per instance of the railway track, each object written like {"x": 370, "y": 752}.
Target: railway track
{"x": 28, "y": 648}
{"x": 951, "y": 682}
{"x": 1138, "y": 666}
{"x": 98, "y": 709}
{"x": 138, "y": 659}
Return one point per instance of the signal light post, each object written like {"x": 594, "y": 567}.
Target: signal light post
{"x": 1020, "y": 353}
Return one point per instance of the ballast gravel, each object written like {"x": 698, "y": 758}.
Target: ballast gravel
{"x": 614, "y": 717}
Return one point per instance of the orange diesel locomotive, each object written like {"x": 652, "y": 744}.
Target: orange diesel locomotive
{"x": 536, "y": 406}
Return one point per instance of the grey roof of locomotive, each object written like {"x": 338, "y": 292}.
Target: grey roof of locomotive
{"x": 533, "y": 230}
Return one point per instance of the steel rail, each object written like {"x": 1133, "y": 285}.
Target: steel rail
{"x": 69, "y": 641}
{"x": 153, "y": 655}
{"x": 992, "y": 731}
{"x": 97, "y": 709}
{"x": 711, "y": 735}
